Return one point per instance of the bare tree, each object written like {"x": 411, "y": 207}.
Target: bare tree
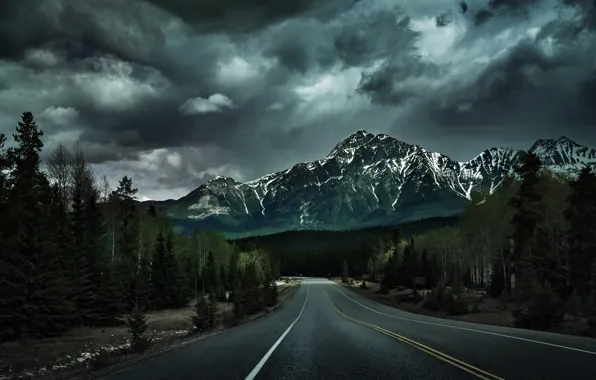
{"x": 60, "y": 167}
{"x": 81, "y": 173}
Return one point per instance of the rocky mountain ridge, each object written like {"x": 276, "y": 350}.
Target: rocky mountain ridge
{"x": 365, "y": 180}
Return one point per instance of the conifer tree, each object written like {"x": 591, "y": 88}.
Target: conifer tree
{"x": 79, "y": 273}
{"x": 158, "y": 274}
{"x": 211, "y": 280}
{"x": 581, "y": 214}
{"x": 202, "y": 314}
{"x": 129, "y": 265}
{"x": 108, "y": 304}
{"x": 344, "y": 272}
{"x": 526, "y": 204}
{"x": 30, "y": 269}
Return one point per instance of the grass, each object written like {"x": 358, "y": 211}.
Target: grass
{"x": 73, "y": 353}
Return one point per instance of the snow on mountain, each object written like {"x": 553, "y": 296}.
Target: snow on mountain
{"x": 366, "y": 179}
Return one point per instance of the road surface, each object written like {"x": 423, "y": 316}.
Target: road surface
{"x": 328, "y": 332}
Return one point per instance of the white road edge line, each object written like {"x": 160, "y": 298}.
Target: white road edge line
{"x": 464, "y": 328}
{"x": 261, "y": 363}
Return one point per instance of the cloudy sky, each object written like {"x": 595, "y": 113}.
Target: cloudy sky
{"x": 174, "y": 94}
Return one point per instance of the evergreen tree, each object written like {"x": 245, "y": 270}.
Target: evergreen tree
{"x": 34, "y": 294}
{"x": 202, "y": 314}
{"x": 160, "y": 296}
{"x": 233, "y": 276}
{"x": 175, "y": 281}
{"x": 526, "y": 203}
{"x": 344, "y": 272}
{"x": 409, "y": 266}
{"x": 581, "y": 215}
{"x": 79, "y": 273}
{"x": 427, "y": 269}
{"x": 211, "y": 280}
{"x": 129, "y": 265}
{"x": 137, "y": 325}
{"x": 108, "y": 305}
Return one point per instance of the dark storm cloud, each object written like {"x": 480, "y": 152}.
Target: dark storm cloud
{"x": 372, "y": 37}
{"x": 246, "y": 15}
{"x": 299, "y": 76}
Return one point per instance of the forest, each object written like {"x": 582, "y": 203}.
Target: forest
{"x": 532, "y": 242}
{"x": 75, "y": 252}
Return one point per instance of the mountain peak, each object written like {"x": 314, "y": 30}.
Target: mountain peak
{"x": 550, "y": 144}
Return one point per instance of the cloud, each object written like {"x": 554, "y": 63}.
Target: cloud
{"x": 174, "y": 92}
{"x": 60, "y": 115}
{"x": 214, "y": 103}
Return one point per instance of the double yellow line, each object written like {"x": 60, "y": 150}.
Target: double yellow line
{"x": 437, "y": 354}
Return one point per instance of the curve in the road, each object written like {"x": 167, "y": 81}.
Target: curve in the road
{"x": 431, "y": 351}
{"x": 466, "y": 328}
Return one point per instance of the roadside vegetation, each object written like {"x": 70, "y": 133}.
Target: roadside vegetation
{"x": 523, "y": 256}
{"x": 87, "y": 275}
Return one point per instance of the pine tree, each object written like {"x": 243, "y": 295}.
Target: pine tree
{"x": 79, "y": 273}
{"x": 233, "y": 276}
{"x": 37, "y": 304}
{"x": 202, "y": 313}
{"x": 344, "y": 272}
{"x": 175, "y": 280}
{"x": 581, "y": 215}
{"x": 129, "y": 265}
{"x": 211, "y": 280}
{"x": 108, "y": 306}
{"x": 526, "y": 203}
{"x": 159, "y": 289}
{"x": 137, "y": 325}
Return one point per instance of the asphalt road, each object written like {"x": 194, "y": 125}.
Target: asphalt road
{"x": 328, "y": 332}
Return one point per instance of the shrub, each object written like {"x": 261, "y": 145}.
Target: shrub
{"x": 136, "y": 324}
{"x": 200, "y": 319}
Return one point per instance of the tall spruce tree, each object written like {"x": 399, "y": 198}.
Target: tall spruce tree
{"x": 129, "y": 265}
{"x": 175, "y": 280}
{"x": 581, "y": 214}
{"x": 526, "y": 203}
{"x": 158, "y": 274}
{"x": 79, "y": 273}
{"x": 108, "y": 304}
{"x": 212, "y": 280}
{"x": 37, "y": 303}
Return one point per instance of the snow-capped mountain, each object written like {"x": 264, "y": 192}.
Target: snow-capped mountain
{"x": 366, "y": 179}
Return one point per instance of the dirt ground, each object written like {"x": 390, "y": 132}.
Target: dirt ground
{"x": 76, "y": 348}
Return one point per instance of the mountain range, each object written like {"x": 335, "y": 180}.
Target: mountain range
{"x": 366, "y": 180}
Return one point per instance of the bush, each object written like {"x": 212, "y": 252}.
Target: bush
{"x": 202, "y": 314}
{"x": 544, "y": 311}
{"x": 136, "y": 324}
{"x": 271, "y": 294}
{"x": 435, "y": 298}
{"x": 140, "y": 345}
{"x": 503, "y": 303}
{"x": 101, "y": 360}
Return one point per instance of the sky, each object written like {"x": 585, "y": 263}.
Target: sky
{"x": 173, "y": 93}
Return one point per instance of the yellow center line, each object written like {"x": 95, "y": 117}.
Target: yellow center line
{"x": 431, "y": 351}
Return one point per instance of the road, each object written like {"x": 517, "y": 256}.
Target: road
{"x": 329, "y": 332}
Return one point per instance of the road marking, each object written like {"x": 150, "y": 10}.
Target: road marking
{"x": 261, "y": 363}
{"x": 431, "y": 351}
{"x": 465, "y": 328}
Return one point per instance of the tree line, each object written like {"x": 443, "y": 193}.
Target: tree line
{"x": 74, "y": 252}
{"x": 532, "y": 240}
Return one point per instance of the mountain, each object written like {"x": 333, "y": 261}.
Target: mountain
{"x": 366, "y": 180}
